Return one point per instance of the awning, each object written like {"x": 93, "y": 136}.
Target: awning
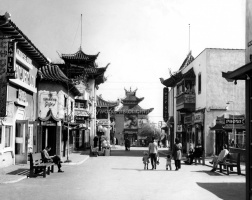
{"x": 217, "y": 127}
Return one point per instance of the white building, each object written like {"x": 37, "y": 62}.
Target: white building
{"x": 198, "y": 95}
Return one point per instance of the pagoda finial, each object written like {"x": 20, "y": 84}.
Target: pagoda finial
{"x": 80, "y": 48}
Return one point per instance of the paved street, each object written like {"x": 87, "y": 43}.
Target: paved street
{"x": 121, "y": 176}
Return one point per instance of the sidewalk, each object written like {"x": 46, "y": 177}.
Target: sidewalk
{"x": 15, "y": 173}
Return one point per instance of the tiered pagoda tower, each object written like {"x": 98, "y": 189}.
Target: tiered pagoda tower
{"x": 84, "y": 72}
{"x": 130, "y": 117}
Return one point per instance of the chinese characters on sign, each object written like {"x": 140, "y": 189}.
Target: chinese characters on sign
{"x": 165, "y": 104}
{"x": 4, "y": 41}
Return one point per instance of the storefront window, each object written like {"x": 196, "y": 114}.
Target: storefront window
{"x": 237, "y": 140}
{"x": 7, "y": 136}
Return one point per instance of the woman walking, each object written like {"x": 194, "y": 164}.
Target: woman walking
{"x": 177, "y": 154}
{"x": 153, "y": 151}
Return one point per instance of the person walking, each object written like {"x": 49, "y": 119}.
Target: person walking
{"x": 153, "y": 151}
{"x": 177, "y": 154}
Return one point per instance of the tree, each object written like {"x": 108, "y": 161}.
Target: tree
{"x": 149, "y": 130}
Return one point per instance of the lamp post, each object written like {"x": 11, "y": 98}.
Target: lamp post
{"x": 233, "y": 130}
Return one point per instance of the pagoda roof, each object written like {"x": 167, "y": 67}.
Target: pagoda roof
{"x": 178, "y": 76}
{"x": 54, "y": 74}
{"x": 102, "y": 103}
{"x": 173, "y": 80}
{"x": 8, "y": 28}
{"x": 189, "y": 58}
{"x": 131, "y": 97}
{"x": 134, "y": 110}
{"x": 77, "y": 71}
{"x": 79, "y": 57}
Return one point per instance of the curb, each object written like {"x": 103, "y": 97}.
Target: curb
{"x": 76, "y": 163}
{"x": 14, "y": 181}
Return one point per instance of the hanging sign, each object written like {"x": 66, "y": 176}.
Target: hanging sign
{"x": 4, "y": 40}
{"x": 165, "y": 104}
{"x": 234, "y": 121}
{"x": 11, "y": 60}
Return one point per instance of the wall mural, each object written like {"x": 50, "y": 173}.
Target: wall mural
{"x": 130, "y": 121}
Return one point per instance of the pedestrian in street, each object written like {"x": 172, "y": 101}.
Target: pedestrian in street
{"x": 146, "y": 160}
{"x": 55, "y": 159}
{"x": 168, "y": 162}
{"x": 177, "y": 154}
{"x": 220, "y": 158}
{"x": 153, "y": 150}
{"x": 96, "y": 141}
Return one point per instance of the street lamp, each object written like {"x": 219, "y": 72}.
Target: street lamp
{"x": 233, "y": 130}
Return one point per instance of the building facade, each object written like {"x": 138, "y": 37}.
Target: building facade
{"x": 198, "y": 95}
{"x": 19, "y": 63}
{"x": 56, "y": 100}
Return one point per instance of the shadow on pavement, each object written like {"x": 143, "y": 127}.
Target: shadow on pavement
{"x": 208, "y": 172}
{"x": 226, "y": 191}
{"x": 130, "y": 169}
{"x": 23, "y": 172}
{"x": 131, "y": 153}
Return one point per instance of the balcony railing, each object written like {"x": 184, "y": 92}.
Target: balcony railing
{"x": 186, "y": 102}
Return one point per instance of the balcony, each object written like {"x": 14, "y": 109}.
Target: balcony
{"x": 185, "y": 102}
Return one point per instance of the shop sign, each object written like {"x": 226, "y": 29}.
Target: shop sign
{"x": 165, "y": 104}
{"x": 48, "y": 123}
{"x": 24, "y": 75}
{"x": 198, "y": 118}
{"x": 11, "y": 60}
{"x": 21, "y": 95}
{"x": 179, "y": 128}
{"x": 4, "y": 40}
{"x": 188, "y": 119}
{"x": 79, "y": 119}
{"x": 24, "y": 57}
{"x": 234, "y": 121}
{"x": 49, "y": 101}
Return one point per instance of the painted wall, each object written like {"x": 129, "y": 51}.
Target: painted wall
{"x": 215, "y": 90}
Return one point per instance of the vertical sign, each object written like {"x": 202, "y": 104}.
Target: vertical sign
{"x": 3, "y": 69}
{"x": 11, "y": 60}
{"x": 165, "y": 104}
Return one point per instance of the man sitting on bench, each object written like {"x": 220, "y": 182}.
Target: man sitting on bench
{"x": 55, "y": 159}
{"x": 217, "y": 159}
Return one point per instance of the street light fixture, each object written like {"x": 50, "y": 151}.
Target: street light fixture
{"x": 233, "y": 131}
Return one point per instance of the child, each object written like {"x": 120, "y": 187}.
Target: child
{"x": 146, "y": 160}
{"x": 168, "y": 162}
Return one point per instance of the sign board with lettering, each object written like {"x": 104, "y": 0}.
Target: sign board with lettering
{"x": 11, "y": 60}
{"x": 4, "y": 42}
{"x": 234, "y": 121}
{"x": 165, "y": 104}
{"x": 48, "y": 100}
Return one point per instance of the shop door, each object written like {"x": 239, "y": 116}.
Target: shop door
{"x": 49, "y": 138}
{"x": 221, "y": 139}
{"x": 21, "y": 142}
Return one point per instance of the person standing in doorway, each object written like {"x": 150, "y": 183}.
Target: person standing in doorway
{"x": 153, "y": 151}
{"x": 177, "y": 154}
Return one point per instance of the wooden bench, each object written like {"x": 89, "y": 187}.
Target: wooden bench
{"x": 232, "y": 160}
{"x": 38, "y": 167}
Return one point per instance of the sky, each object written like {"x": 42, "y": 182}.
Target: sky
{"x": 141, "y": 39}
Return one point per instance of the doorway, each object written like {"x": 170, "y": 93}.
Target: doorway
{"x": 21, "y": 142}
{"x": 49, "y": 138}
